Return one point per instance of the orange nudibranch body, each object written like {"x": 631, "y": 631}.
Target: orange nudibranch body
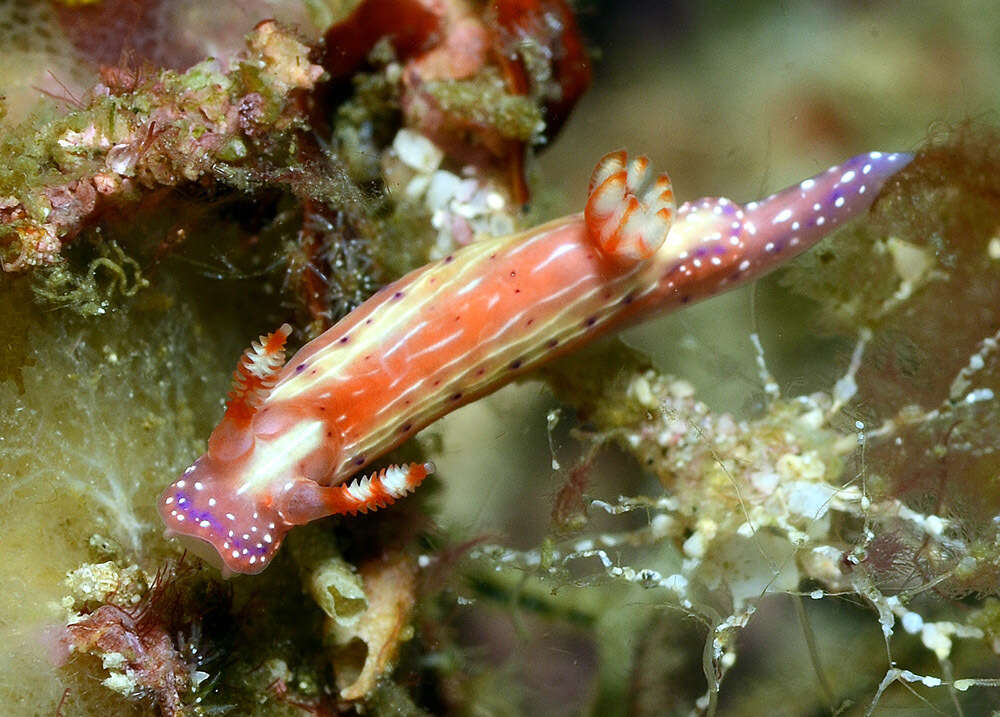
{"x": 462, "y": 327}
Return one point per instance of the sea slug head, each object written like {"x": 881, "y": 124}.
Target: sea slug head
{"x": 222, "y": 506}
{"x": 236, "y": 530}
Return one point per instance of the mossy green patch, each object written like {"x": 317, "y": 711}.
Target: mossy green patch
{"x": 484, "y": 100}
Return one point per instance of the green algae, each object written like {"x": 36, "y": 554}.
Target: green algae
{"x": 158, "y": 129}
{"x": 104, "y": 276}
{"x": 103, "y": 414}
{"x": 368, "y": 119}
{"x": 484, "y": 100}
{"x": 110, "y": 406}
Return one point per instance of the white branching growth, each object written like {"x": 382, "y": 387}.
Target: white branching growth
{"x": 758, "y": 506}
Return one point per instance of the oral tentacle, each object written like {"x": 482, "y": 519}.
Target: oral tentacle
{"x": 378, "y": 490}
{"x": 306, "y": 500}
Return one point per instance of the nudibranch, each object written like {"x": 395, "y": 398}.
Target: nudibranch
{"x": 457, "y": 329}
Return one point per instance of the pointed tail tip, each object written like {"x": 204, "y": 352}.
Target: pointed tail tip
{"x": 874, "y": 169}
{"x": 881, "y": 164}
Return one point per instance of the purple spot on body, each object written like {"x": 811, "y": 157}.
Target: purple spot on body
{"x": 448, "y": 259}
{"x": 300, "y": 368}
{"x": 685, "y": 299}
{"x": 629, "y": 298}
{"x": 360, "y": 460}
{"x": 454, "y": 396}
{"x": 405, "y": 427}
{"x": 196, "y": 516}
{"x": 514, "y": 365}
{"x": 398, "y": 295}
{"x": 720, "y": 249}
{"x": 700, "y": 251}
{"x": 344, "y": 339}
{"x": 590, "y": 321}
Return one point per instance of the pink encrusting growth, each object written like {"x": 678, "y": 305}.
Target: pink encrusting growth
{"x": 464, "y": 326}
